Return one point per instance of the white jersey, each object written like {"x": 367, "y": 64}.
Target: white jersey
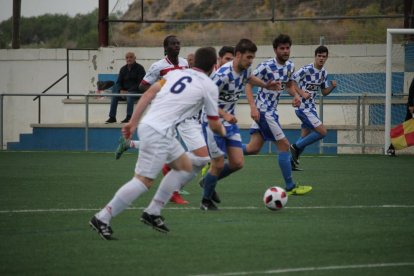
{"x": 161, "y": 68}
{"x": 182, "y": 96}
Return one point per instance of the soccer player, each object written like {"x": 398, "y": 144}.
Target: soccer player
{"x": 266, "y": 126}
{"x": 226, "y": 54}
{"x": 231, "y": 79}
{"x": 178, "y": 96}
{"x": 190, "y": 130}
{"x": 308, "y": 80}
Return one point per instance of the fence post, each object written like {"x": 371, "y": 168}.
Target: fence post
{"x": 363, "y": 123}
{"x": 86, "y": 123}
{"x": 321, "y": 117}
{"x": 358, "y": 121}
{"x": 1, "y": 121}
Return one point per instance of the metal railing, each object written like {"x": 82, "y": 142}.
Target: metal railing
{"x": 66, "y": 75}
{"x": 362, "y": 102}
{"x": 86, "y": 96}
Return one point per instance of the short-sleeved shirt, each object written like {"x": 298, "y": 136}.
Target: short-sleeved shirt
{"x": 160, "y": 68}
{"x": 310, "y": 80}
{"x": 231, "y": 85}
{"x": 270, "y": 70}
{"x": 181, "y": 97}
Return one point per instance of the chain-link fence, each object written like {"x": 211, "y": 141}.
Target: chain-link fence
{"x": 224, "y": 22}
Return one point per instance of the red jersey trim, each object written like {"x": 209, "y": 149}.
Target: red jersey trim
{"x": 214, "y": 118}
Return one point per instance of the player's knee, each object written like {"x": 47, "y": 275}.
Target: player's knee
{"x": 237, "y": 165}
{"x": 199, "y": 161}
{"x": 253, "y": 149}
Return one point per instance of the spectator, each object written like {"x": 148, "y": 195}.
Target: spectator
{"x": 190, "y": 60}
{"x": 129, "y": 78}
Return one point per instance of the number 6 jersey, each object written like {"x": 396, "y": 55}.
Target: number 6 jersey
{"x": 182, "y": 96}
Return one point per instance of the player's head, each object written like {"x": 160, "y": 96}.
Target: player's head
{"x": 281, "y": 47}
{"x": 171, "y": 45}
{"x": 205, "y": 59}
{"x": 320, "y": 50}
{"x": 321, "y": 55}
{"x": 190, "y": 60}
{"x": 245, "y": 52}
{"x": 226, "y": 54}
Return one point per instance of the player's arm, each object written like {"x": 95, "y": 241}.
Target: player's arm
{"x": 143, "y": 86}
{"x": 271, "y": 85}
{"x": 140, "y": 108}
{"x": 254, "y": 113}
{"x": 292, "y": 88}
{"x": 328, "y": 90}
{"x": 216, "y": 126}
{"x": 227, "y": 116}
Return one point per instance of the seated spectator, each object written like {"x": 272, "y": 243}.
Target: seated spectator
{"x": 190, "y": 60}
{"x": 129, "y": 78}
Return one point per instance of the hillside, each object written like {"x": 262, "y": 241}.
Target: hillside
{"x": 62, "y": 31}
{"x": 218, "y": 33}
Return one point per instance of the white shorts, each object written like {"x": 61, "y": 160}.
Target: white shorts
{"x": 217, "y": 145}
{"x": 268, "y": 126}
{"x": 155, "y": 150}
{"x": 309, "y": 118}
{"x": 191, "y": 134}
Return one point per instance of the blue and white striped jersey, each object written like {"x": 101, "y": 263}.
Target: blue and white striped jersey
{"x": 310, "y": 80}
{"x": 269, "y": 70}
{"x": 231, "y": 85}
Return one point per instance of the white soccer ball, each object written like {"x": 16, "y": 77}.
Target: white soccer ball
{"x": 275, "y": 198}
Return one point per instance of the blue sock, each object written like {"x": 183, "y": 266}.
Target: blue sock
{"x": 210, "y": 182}
{"x": 308, "y": 139}
{"x": 226, "y": 171}
{"x": 244, "y": 147}
{"x": 286, "y": 168}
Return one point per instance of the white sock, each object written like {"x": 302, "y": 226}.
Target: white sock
{"x": 134, "y": 144}
{"x": 122, "y": 199}
{"x": 173, "y": 181}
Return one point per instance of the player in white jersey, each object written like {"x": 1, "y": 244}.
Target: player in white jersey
{"x": 309, "y": 79}
{"x": 231, "y": 79}
{"x": 190, "y": 131}
{"x": 179, "y": 95}
{"x": 266, "y": 126}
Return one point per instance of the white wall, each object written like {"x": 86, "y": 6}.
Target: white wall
{"x": 33, "y": 70}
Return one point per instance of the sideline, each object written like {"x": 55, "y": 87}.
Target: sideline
{"x": 304, "y": 269}
{"x": 73, "y": 210}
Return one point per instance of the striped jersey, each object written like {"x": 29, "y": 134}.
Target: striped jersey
{"x": 231, "y": 85}
{"x": 160, "y": 68}
{"x": 271, "y": 70}
{"x": 310, "y": 80}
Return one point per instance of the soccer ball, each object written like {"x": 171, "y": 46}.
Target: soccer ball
{"x": 275, "y": 198}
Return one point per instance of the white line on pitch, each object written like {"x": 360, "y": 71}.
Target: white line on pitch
{"x": 303, "y": 269}
{"x": 69, "y": 210}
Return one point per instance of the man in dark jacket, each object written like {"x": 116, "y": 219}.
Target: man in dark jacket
{"x": 129, "y": 78}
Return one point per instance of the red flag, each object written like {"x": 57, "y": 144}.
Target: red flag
{"x": 402, "y": 135}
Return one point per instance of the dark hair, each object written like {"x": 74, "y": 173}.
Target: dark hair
{"x": 205, "y": 58}
{"x": 245, "y": 45}
{"x": 321, "y": 49}
{"x": 166, "y": 40}
{"x": 281, "y": 39}
{"x": 226, "y": 49}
